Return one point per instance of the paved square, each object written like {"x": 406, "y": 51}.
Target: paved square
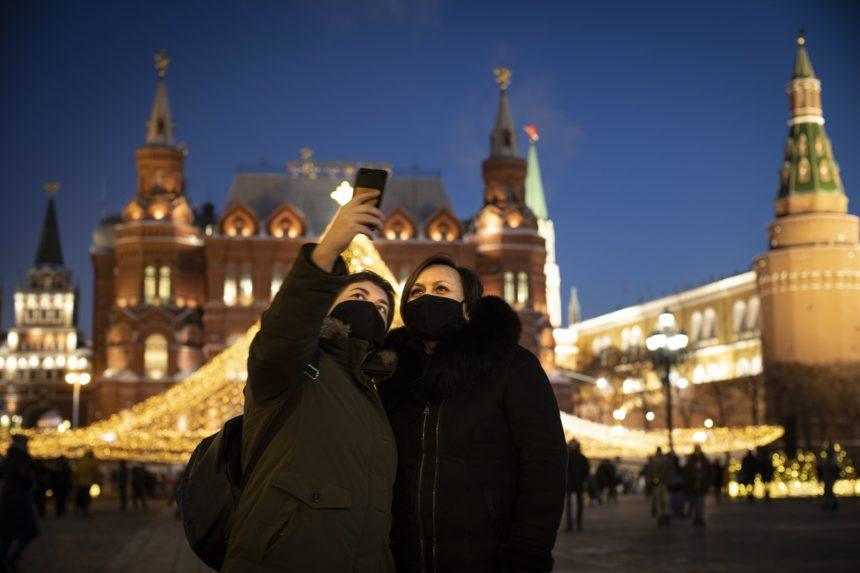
{"x": 781, "y": 536}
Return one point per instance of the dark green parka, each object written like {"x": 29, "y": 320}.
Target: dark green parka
{"x": 319, "y": 498}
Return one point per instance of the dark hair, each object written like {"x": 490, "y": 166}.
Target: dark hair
{"x": 472, "y": 287}
{"x": 374, "y": 278}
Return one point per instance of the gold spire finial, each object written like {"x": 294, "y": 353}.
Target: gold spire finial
{"x": 306, "y": 154}
{"x": 503, "y": 77}
{"x": 162, "y": 62}
{"x": 801, "y": 37}
{"x": 51, "y": 187}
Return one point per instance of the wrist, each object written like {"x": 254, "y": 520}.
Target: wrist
{"x": 324, "y": 257}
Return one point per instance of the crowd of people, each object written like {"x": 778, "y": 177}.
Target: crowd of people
{"x": 29, "y": 486}
{"x": 677, "y": 487}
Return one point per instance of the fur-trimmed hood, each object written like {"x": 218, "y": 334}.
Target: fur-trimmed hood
{"x": 463, "y": 360}
{"x": 335, "y": 333}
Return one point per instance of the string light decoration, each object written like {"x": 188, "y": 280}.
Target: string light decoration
{"x": 167, "y": 427}
{"x": 797, "y": 477}
{"x": 609, "y": 441}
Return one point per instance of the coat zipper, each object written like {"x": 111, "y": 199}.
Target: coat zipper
{"x": 436, "y": 482}
{"x": 420, "y": 479}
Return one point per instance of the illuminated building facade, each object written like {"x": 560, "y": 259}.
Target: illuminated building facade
{"x": 174, "y": 285}
{"x": 779, "y": 343}
{"x": 44, "y": 345}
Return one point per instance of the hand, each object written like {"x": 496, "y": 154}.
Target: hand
{"x": 360, "y": 215}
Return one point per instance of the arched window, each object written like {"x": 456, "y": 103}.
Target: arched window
{"x": 625, "y": 339}
{"x": 285, "y": 222}
{"x": 709, "y": 324}
{"x": 399, "y": 226}
{"x": 164, "y": 283}
{"x": 522, "y": 288}
{"x": 246, "y": 286}
{"x": 695, "y": 326}
{"x": 635, "y": 336}
{"x": 510, "y": 288}
{"x": 751, "y": 322}
{"x": 150, "y": 285}
{"x": 230, "y": 287}
{"x": 155, "y": 356}
{"x": 443, "y": 226}
{"x": 738, "y": 312}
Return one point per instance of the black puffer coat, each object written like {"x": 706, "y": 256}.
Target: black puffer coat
{"x": 481, "y": 452}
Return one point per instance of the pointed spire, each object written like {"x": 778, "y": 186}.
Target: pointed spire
{"x": 535, "y": 197}
{"x": 802, "y": 63}
{"x": 50, "y": 251}
{"x": 809, "y": 168}
{"x": 502, "y": 139}
{"x": 159, "y": 128}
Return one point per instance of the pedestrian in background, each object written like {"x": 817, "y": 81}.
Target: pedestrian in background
{"x": 578, "y": 468}
{"x": 61, "y": 485}
{"x": 718, "y": 479}
{"x": 41, "y": 487}
{"x": 120, "y": 478}
{"x": 677, "y": 491}
{"x": 138, "y": 488}
{"x": 828, "y": 473}
{"x": 18, "y": 523}
{"x": 86, "y": 474}
{"x": 697, "y": 474}
{"x": 647, "y": 474}
{"x": 661, "y": 476}
{"x": 765, "y": 470}
{"x": 605, "y": 476}
{"x": 749, "y": 468}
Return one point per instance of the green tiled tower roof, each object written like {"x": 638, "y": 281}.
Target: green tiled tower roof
{"x": 808, "y": 164}
{"x": 535, "y": 197}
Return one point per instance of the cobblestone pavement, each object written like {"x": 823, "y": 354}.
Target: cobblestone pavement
{"x": 781, "y": 536}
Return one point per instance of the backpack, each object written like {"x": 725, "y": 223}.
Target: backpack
{"x": 210, "y": 486}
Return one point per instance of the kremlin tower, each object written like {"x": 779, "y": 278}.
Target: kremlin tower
{"x": 809, "y": 279}
{"x": 511, "y": 253}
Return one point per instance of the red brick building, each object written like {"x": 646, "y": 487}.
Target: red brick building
{"x": 174, "y": 285}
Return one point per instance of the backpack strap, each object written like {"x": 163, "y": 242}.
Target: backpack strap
{"x": 312, "y": 373}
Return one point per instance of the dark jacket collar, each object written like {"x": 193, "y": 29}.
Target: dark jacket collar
{"x": 355, "y": 355}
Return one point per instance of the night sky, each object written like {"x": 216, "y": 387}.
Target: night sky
{"x": 662, "y": 125}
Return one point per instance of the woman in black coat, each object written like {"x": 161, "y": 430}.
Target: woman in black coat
{"x": 481, "y": 452}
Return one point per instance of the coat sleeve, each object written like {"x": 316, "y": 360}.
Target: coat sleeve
{"x": 290, "y": 327}
{"x": 541, "y": 458}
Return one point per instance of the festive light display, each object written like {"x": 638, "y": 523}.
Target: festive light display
{"x": 605, "y": 441}
{"x": 797, "y": 476}
{"x": 167, "y": 427}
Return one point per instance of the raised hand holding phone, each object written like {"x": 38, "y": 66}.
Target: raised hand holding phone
{"x": 359, "y": 215}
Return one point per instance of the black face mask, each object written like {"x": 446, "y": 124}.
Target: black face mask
{"x": 363, "y": 320}
{"x": 433, "y": 317}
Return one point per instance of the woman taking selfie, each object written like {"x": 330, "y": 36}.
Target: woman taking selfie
{"x": 481, "y": 452}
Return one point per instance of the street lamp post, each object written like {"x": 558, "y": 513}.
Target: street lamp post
{"x": 666, "y": 346}
{"x": 77, "y": 379}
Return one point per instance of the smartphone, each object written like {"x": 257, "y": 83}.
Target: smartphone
{"x": 372, "y": 179}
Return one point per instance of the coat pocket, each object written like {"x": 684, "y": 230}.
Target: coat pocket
{"x": 312, "y": 493}
{"x": 318, "y": 532}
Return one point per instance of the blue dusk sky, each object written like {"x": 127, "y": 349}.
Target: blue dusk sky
{"x": 662, "y": 123}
